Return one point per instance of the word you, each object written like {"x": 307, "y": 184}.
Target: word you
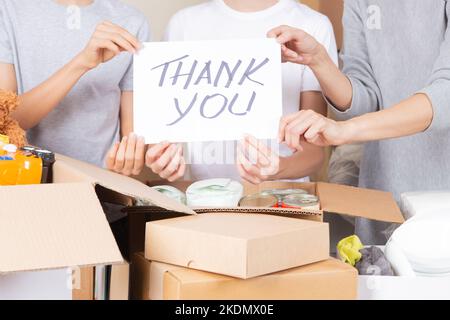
{"x": 189, "y": 75}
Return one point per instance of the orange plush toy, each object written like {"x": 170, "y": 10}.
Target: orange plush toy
{"x": 8, "y": 126}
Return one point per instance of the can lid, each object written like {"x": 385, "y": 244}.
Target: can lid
{"x": 259, "y": 200}
{"x": 301, "y": 200}
{"x": 45, "y": 155}
{"x": 284, "y": 192}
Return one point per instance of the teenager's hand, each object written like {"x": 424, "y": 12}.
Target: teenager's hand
{"x": 297, "y": 46}
{"x": 167, "y": 161}
{"x": 315, "y": 129}
{"x": 128, "y": 156}
{"x": 256, "y": 162}
{"x": 108, "y": 41}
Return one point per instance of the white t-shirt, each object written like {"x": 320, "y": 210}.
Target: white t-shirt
{"x": 215, "y": 20}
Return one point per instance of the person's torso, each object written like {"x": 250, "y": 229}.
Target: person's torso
{"x": 215, "y": 20}
{"x": 403, "y": 40}
{"x": 45, "y": 36}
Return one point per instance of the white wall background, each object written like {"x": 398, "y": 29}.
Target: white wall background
{"x": 160, "y": 11}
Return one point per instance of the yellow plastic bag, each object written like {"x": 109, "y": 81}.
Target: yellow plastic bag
{"x": 349, "y": 250}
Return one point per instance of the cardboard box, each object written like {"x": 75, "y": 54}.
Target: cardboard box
{"x": 334, "y": 199}
{"x": 62, "y": 225}
{"x": 327, "y": 280}
{"x": 216, "y": 245}
{"x": 238, "y": 245}
{"x": 58, "y": 226}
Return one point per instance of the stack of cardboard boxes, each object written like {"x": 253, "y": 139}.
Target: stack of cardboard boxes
{"x": 175, "y": 252}
{"x": 254, "y": 253}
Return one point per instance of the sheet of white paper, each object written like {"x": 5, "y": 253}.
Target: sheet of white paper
{"x": 207, "y": 90}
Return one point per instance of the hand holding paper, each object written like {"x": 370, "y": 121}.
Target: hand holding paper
{"x": 107, "y": 41}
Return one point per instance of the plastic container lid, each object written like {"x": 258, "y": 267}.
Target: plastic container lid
{"x": 214, "y": 193}
{"x": 172, "y": 193}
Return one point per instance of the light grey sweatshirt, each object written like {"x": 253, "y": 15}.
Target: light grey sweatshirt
{"x": 392, "y": 50}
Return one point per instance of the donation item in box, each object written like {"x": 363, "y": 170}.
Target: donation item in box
{"x": 237, "y": 245}
{"x": 327, "y": 280}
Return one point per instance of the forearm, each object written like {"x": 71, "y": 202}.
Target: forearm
{"x": 409, "y": 117}
{"x": 37, "y": 103}
{"x": 335, "y": 85}
{"x": 301, "y": 164}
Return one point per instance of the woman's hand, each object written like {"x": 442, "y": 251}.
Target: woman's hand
{"x": 297, "y": 46}
{"x": 108, "y": 41}
{"x": 316, "y": 129}
{"x": 167, "y": 161}
{"x": 128, "y": 156}
{"x": 256, "y": 162}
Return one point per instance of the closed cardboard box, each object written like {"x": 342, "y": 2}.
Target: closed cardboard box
{"x": 327, "y": 280}
{"x": 237, "y": 245}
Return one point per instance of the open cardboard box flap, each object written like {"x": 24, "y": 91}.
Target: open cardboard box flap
{"x": 71, "y": 170}
{"x": 357, "y": 202}
{"x": 63, "y": 224}
{"x": 52, "y": 227}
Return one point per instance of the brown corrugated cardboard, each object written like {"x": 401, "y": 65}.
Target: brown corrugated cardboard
{"x": 329, "y": 279}
{"x": 85, "y": 292}
{"x": 193, "y": 241}
{"x": 242, "y": 246}
{"x": 343, "y": 200}
{"x": 71, "y": 170}
{"x": 334, "y": 199}
{"x": 63, "y": 224}
{"x": 357, "y": 202}
{"x": 53, "y": 227}
{"x": 120, "y": 282}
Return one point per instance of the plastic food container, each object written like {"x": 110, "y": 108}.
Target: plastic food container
{"x": 172, "y": 193}
{"x": 221, "y": 193}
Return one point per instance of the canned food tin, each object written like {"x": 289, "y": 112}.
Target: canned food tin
{"x": 259, "y": 201}
{"x": 282, "y": 193}
{"x": 301, "y": 201}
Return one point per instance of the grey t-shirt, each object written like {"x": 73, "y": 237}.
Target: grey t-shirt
{"x": 39, "y": 37}
{"x": 392, "y": 50}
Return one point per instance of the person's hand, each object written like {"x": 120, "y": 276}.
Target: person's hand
{"x": 167, "y": 161}
{"x": 128, "y": 156}
{"x": 315, "y": 129}
{"x": 108, "y": 41}
{"x": 297, "y": 46}
{"x": 256, "y": 162}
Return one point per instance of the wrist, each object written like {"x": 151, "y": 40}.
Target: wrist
{"x": 351, "y": 129}
{"x": 80, "y": 64}
{"x": 282, "y": 166}
{"x": 320, "y": 58}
